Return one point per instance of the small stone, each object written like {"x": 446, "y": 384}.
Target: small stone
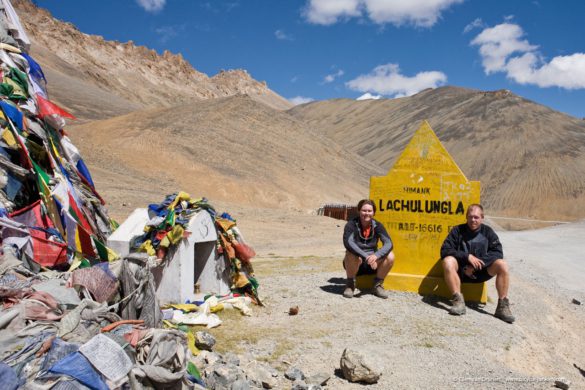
{"x": 299, "y": 385}
{"x": 318, "y": 379}
{"x": 294, "y": 374}
{"x": 206, "y": 358}
{"x": 223, "y": 375}
{"x": 293, "y": 311}
{"x": 576, "y": 301}
{"x": 231, "y": 358}
{"x": 240, "y": 384}
{"x": 356, "y": 369}
{"x": 262, "y": 375}
{"x": 204, "y": 340}
{"x": 563, "y": 384}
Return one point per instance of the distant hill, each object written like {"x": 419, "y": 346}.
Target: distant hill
{"x": 97, "y": 79}
{"x": 230, "y": 149}
{"x": 229, "y": 136}
{"x": 529, "y": 158}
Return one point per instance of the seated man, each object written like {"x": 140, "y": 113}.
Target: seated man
{"x": 472, "y": 253}
{"x": 360, "y": 238}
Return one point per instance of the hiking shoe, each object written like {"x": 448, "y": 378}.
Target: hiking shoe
{"x": 458, "y": 305}
{"x": 349, "y": 287}
{"x": 380, "y": 292}
{"x": 503, "y": 311}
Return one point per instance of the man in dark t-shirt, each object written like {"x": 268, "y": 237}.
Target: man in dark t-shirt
{"x": 472, "y": 253}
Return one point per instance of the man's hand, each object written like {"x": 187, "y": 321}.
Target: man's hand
{"x": 475, "y": 262}
{"x": 372, "y": 260}
{"x": 467, "y": 270}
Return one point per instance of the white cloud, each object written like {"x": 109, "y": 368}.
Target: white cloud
{"x": 330, "y": 11}
{"x": 420, "y": 13}
{"x": 387, "y": 80}
{"x": 477, "y": 23}
{"x": 152, "y": 5}
{"x": 369, "y": 96}
{"x": 497, "y": 43}
{"x": 279, "y": 34}
{"x": 503, "y": 49}
{"x": 300, "y": 100}
{"x": 331, "y": 77}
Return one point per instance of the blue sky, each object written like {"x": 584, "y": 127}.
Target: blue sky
{"x": 323, "y": 49}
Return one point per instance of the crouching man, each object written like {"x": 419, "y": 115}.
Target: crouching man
{"x": 472, "y": 253}
{"x": 360, "y": 238}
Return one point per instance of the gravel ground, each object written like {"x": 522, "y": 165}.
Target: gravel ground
{"x": 412, "y": 339}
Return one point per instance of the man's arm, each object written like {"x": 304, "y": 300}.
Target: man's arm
{"x": 494, "y": 251}
{"x": 451, "y": 244}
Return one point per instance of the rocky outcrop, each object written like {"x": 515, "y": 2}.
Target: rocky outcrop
{"x": 135, "y": 73}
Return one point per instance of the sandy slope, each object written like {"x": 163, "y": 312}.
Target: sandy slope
{"x": 231, "y": 149}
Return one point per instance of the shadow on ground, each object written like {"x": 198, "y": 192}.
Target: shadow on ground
{"x": 445, "y": 304}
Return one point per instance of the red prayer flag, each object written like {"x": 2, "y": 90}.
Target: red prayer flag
{"x": 46, "y": 107}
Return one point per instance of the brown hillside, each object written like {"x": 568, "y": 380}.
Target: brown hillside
{"x": 530, "y": 159}
{"x": 230, "y": 149}
{"x": 83, "y": 70}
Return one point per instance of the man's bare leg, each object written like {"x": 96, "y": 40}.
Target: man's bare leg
{"x": 499, "y": 268}
{"x": 450, "y": 268}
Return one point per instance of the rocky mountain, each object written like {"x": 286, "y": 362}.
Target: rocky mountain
{"x": 529, "y": 158}
{"x": 96, "y": 78}
{"x": 228, "y": 136}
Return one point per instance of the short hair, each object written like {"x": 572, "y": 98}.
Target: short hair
{"x": 473, "y": 206}
{"x": 362, "y": 202}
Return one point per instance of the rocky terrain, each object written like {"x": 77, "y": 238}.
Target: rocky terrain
{"x": 229, "y": 137}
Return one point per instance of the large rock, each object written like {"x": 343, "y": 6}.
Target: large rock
{"x": 356, "y": 369}
{"x": 261, "y": 375}
{"x": 204, "y": 340}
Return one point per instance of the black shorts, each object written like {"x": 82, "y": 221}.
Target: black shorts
{"x": 479, "y": 276}
{"x": 364, "y": 269}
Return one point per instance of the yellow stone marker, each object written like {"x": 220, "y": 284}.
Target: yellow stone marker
{"x": 423, "y": 196}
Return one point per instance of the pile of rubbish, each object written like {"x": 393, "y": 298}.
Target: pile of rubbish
{"x": 74, "y": 314}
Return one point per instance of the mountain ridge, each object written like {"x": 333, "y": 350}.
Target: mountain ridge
{"x": 138, "y": 75}
{"x": 529, "y": 158}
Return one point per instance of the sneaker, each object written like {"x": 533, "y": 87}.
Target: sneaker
{"x": 503, "y": 311}
{"x": 349, "y": 287}
{"x": 379, "y": 291}
{"x": 458, "y": 305}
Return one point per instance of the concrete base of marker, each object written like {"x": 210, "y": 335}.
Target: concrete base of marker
{"x": 425, "y": 285}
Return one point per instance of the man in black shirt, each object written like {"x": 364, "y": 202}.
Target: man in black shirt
{"x": 472, "y": 253}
